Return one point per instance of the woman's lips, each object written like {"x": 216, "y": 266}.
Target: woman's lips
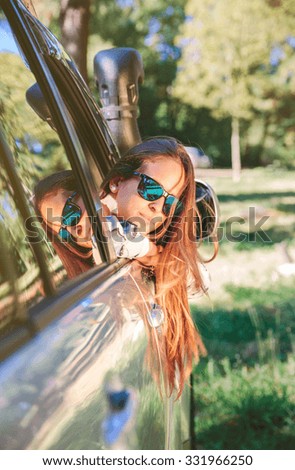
{"x": 143, "y": 217}
{"x": 144, "y": 221}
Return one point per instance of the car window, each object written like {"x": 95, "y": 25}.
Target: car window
{"x": 48, "y": 182}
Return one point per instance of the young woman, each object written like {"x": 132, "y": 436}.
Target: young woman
{"x": 153, "y": 188}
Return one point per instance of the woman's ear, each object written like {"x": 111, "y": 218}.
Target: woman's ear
{"x": 114, "y": 183}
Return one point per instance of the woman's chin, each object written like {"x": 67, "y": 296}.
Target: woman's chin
{"x": 86, "y": 244}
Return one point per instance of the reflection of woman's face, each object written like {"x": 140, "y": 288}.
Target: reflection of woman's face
{"x": 148, "y": 215}
{"x": 51, "y": 209}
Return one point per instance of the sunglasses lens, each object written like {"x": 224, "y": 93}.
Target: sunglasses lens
{"x": 149, "y": 189}
{"x": 71, "y": 214}
{"x": 64, "y": 234}
{"x": 179, "y": 208}
{"x": 170, "y": 201}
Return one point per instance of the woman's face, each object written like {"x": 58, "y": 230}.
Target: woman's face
{"x": 51, "y": 209}
{"x": 148, "y": 215}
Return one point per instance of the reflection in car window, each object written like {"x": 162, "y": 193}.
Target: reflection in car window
{"x": 20, "y": 283}
{"x": 65, "y": 220}
{"x": 42, "y": 165}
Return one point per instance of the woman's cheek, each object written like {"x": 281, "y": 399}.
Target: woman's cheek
{"x": 126, "y": 208}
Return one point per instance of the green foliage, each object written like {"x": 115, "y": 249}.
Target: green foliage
{"x": 21, "y": 124}
{"x": 244, "y": 388}
{"x": 12, "y": 105}
{"x": 225, "y": 56}
{"x": 225, "y": 66}
{"x": 245, "y": 409}
{"x": 245, "y": 331}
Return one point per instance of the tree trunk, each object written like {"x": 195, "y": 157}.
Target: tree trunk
{"x": 235, "y": 149}
{"x": 31, "y": 7}
{"x": 74, "y": 22}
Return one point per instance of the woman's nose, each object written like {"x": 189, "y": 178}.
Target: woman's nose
{"x": 157, "y": 206}
{"x": 82, "y": 231}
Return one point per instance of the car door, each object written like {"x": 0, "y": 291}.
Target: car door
{"x": 73, "y": 373}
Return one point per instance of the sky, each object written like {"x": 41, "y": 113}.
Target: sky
{"x": 7, "y": 43}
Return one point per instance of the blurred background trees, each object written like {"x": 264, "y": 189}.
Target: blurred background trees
{"x": 230, "y": 52}
{"x": 219, "y": 74}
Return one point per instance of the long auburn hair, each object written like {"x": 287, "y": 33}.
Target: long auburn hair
{"x": 181, "y": 342}
{"x": 75, "y": 259}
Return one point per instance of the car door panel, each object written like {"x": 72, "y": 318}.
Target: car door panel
{"x": 56, "y": 390}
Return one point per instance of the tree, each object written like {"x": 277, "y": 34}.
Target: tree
{"x": 226, "y": 46}
{"x": 74, "y": 21}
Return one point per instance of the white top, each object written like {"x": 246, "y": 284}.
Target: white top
{"x": 128, "y": 243}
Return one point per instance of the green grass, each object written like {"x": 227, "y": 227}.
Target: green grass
{"x": 244, "y": 389}
{"x": 245, "y": 408}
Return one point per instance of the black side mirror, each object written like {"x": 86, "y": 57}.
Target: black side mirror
{"x": 118, "y": 73}
{"x": 36, "y": 100}
{"x": 208, "y": 208}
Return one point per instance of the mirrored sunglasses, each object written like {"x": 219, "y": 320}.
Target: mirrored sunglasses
{"x": 71, "y": 216}
{"x": 151, "y": 190}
